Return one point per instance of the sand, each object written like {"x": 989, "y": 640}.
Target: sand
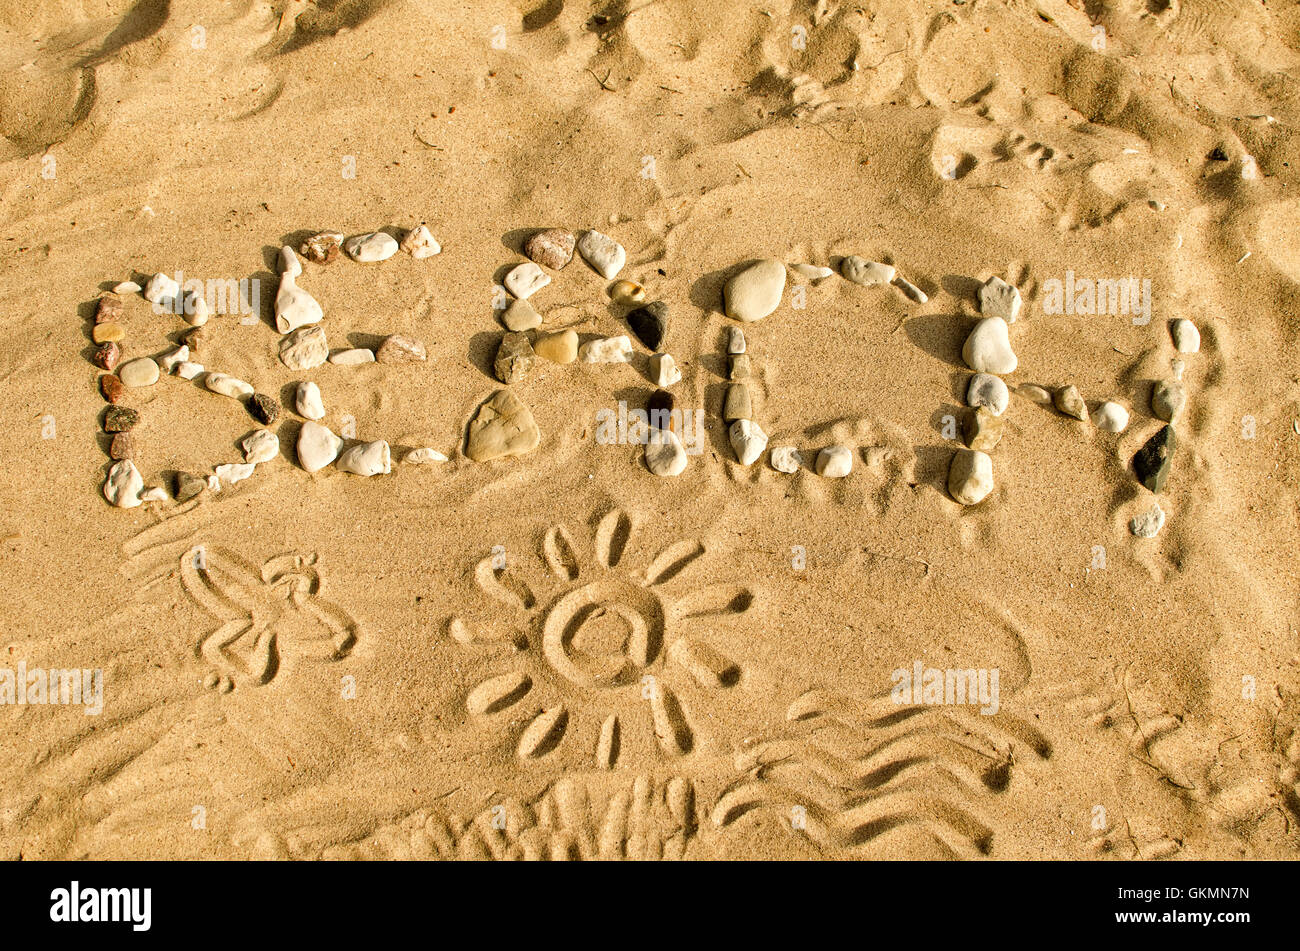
{"x": 559, "y": 654}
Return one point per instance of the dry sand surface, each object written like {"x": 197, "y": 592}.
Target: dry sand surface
{"x": 559, "y": 653}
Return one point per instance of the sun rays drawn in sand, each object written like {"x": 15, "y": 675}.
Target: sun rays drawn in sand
{"x": 612, "y": 644}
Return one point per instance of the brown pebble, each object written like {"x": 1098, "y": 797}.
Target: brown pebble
{"x": 321, "y": 248}
{"x": 113, "y": 389}
{"x": 737, "y": 405}
{"x": 108, "y": 308}
{"x": 551, "y": 248}
{"x": 107, "y": 356}
{"x": 120, "y": 419}
{"x": 263, "y": 408}
{"x": 107, "y": 333}
{"x": 738, "y": 366}
{"x": 122, "y": 447}
{"x": 659, "y": 407}
{"x": 195, "y": 339}
{"x": 188, "y": 485}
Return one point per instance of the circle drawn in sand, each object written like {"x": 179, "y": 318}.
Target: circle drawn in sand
{"x": 604, "y": 634}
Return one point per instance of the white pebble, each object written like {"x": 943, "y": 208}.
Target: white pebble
{"x": 260, "y": 446}
{"x": 735, "y": 340}
{"x": 232, "y": 472}
{"x": 526, "y": 280}
{"x": 154, "y": 494}
{"x": 187, "y": 370}
{"x": 786, "y": 459}
{"x": 317, "y": 446}
{"x": 606, "y": 350}
{"x": 1110, "y": 417}
{"x": 970, "y": 476}
{"x": 664, "y": 453}
{"x": 1187, "y": 339}
{"x": 747, "y": 440}
{"x": 294, "y": 307}
{"x": 423, "y": 457}
{"x": 605, "y": 255}
{"x": 419, "y": 243}
{"x": 170, "y": 360}
{"x": 308, "y": 401}
{"x": 195, "y": 309}
{"x": 988, "y": 348}
{"x": 290, "y": 266}
{"x": 161, "y": 288}
{"x": 227, "y": 385}
{"x": 367, "y": 459}
{"x": 988, "y": 390}
{"x": 663, "y": 370}
{"x": 867, "y": 273}
{"x": 811, "y": 272}
{"x": 304, "y": 349}
{"x": 141, "y": 371}
{"x": 1149, "y": 523}
{"x": 999, "y": 299}
{"x": 835, "y": 462}
{"x": 911, "y": 290}
{"x": 352, "y": 357}
{"x": 755, "y": 292}
{"x": 127, "y": 287}
{"x": 368, "y": 248}
{"x": 123, "y": 485}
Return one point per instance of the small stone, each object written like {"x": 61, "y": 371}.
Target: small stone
{"x": 735, "y": 340}
{"x": 1152, "y": 462}
{"x": 107, "y": 355}
{"x": 503, "y": 426}
{"x": 650, "y": 324}
{"x": 835, "y": 462}
{"x": 1068, "y": 401}
{"x": 605, "y": 255}
{"x": 1187, "y": 339}
{"x": 317, "y": 446}
{"x": 526, "y": 279}
{"x": 515, "y": 358}
{"x": 1167, "y": 400}
{"x": 999, "y": 299}
{"x": 423, "y": 457}
{"x": 108, "y": 309}
{"x": 120, "y": 419}
{"x": 127, "y": 287}
{"x": 1149, "y": 523}
{"x": 664, "y": 370}
{"x": 367, "y": 459}
{"x": 121, "y": 447}
{"x": 304, "y": 349}
{"x": 231, "y": 472}
{"x": 736, "y": 405}
{"x": 626, "y": 292}
{"x": 196, "y": 338}
{"x": 107, "y": 333}
{"x": 1035, "y": 394}
{"x": 352, "y": 357}
{"x": 419, "y": 243}
{"x": 261, "y": 445}
{"x": 552, "y": 248}
{"x": 142, "y": 371}
{"x": 294, "y": 307}
{"x": 188, "y": 485}
{"x": 399, "y": 348}
{"x": 970, "y": 476}
{"x": 155, "y": 494}
{"x": 188, "y": 370}
{"x": 755, "y": 292}
{"x": 607, "y": 350}
{"x": 195, "y": 308}
{"x": 867, "y": 273}
{"x": 988, "y": 348}
{"x": 123, "y": 485}
{"x": 372, "y": 247}
{"x": 521, "y": 316}
{"x": 985, "y": 389}
{"x": 659, "y": 409}
{"x": 738, "y": 366}
{"x": 322, "y": 248}
{"x": 911, "y": 290}
{"x": 664, "y": 454}
{"x": 1110, "y": 417}
{"x": 812, "y": 272}
{"x": 264, "y": 409}
{"x": 112, "y": 389}
{"x": 747, "y": 441}
{"x": 307, "y": 400}
{"x": 786, "y": 459}
{"x": 226, "y": 385}
{"x": 170, "y": 360}
{"x": 982, "y": 429}
{"x": 161, "y": 289}
{"x": 558, "y": 347}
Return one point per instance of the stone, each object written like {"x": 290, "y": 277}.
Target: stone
{"x": 112, "y": 389}
{"x": 317, "y": 446}
{"x": 107, "y": 355}
{"x": 988, "y": 347}
{"x": 304, "y": 349}
{"x": 970, "y": 476}
{"x": 352, "y": 357}
{"x": 155, "y": 494}
{"x": 521, "y": 316}
{"x": 107, "y": 333}
{"x": 786, "y": 459}
{"x": 188, "y": 485}
{"x": 188, "y": 370}
{"x": 985, "y": 389}
{"x": 307, "y": 400}
{"x": 170, "y": 360}
{"x": 755, "y": 292}
{"x": 664, "y": 370}
{"x": 526, "y": 279}
{"x": 367, "y": 459}
{"x": 811, "y": 272}
{"x": 607, "y": 350}
{"x": 264, "y": 409}
{"x": 120, "y": 419}
{"x": 552, "y": 248}
{"x": 322, "y": 248}
{"x": 399, "y": 348}
{"x": 1149, "y": 523}
{"x": 423, "y": 457}
{"x": 747, "y": 441}
{"x": 161, "y": 289}
{"x": 370, "y": 248}
{"x": 127, "y": 287}
{"x": 735, "y": 340}
{"x": 108, "y": 309}
{"x": 1068, "y": 401}
{"x": 195, "y": 308}
{"x": 659, "y": 409}
{"x": 503, "y": 426}
{"x": 999, "y": 299}
{"x": 650, "y": 324}
{"x": 515, "y": 358}
{"x": 419, "y": 243}
{"x": 864, "y": 272}
{"x": 835, "y": 462}
{"x": 261, "y": 445}
{"x": 982, "y": 429}
{"x": 910, "y": 290}
{"x": 226, "y": 385}
{"x": 294, "y": 307}
{"x": 1035, "y": 393}
{"x": 231, "y": 472}
{"x": 1153, "y": 461}
{"x": 736, "y": 404}
{"x": 121, "y": 447}
{"x": 664, "y": 454}
{"x": 196, "y": 338}
{"x": 142, "y": 371}
{"x": 626, "y": 292}
{"x": 1167, "y": 400}
{"x": 123, "y": 485}
{"x": 1187, "y": 338}
{"x": 605, "y": 255}
{"x": 558, "y": 347}
{"x": 1110, "y": 417}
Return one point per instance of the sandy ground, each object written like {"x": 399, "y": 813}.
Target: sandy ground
{"x": 402, "y": 648}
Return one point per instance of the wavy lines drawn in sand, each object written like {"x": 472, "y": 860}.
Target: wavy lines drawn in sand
{"x": 844, "y": 774}
{"x": 613, "y": 650}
